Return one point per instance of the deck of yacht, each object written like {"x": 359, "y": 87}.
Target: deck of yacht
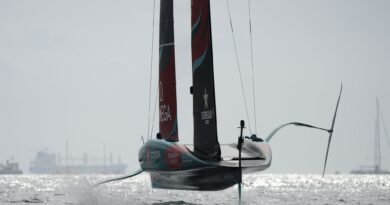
{"x": 258, "y": 157}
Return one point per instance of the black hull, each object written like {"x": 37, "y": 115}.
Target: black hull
{"x": 174, "y": 166}
{"x": 205, "y": 179}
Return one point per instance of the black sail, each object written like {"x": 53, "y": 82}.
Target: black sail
{"x": 206, "y": 145}
{"x": 167, "y": 79}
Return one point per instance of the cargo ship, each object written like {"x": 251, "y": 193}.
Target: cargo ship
{"x": 49, "y": 163}
{"x": 10, "y": 168}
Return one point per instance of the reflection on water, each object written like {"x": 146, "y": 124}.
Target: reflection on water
{"x": 257, "y": 189}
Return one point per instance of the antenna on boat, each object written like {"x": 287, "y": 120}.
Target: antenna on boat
{"x": 239, "y": 146}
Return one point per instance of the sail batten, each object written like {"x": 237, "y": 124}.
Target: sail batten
{"x": 167, "y": 78}
{"x": 206, "y": 143}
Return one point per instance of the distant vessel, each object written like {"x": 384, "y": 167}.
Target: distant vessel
{"x": 10, "y": 168}
{"x": 49, "y": 163}
{"x": 376, "y": 168}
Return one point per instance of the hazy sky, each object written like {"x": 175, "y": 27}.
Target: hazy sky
{"x": 79, "y": 71}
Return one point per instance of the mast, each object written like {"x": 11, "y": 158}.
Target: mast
{"x": 167, "y": 79}
{"x": 377, "y": 149}
{"x": 66, "y": 154}
{"x": 206, "y": 143}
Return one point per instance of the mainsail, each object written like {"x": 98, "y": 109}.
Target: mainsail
{"x": 167, "y": 79}
{"x": 206, "y": 143}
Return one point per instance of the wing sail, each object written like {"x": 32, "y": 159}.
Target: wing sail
{"x": 206, "y": 143}
{"x": 167, "y": 75}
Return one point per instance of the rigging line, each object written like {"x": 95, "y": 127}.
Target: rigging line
{"x": 252, "y": 64}
{"x": 154, "y": 112}
{"x": 238, "y": 65}
{"x": 151, "y": 68}
{"x": 385, "y": 129}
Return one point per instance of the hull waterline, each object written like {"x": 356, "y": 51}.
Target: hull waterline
{"x": 174, "y": 166}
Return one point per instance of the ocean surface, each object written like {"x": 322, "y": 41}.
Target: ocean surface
{"x": 257, "y": 189}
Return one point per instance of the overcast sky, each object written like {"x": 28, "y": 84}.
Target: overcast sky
{"x": 79, "y": 71}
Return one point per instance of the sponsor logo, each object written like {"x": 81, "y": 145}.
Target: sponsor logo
{"x": 165, "y": 113}
{"x": 173, "y": 158}
{"x": 206, "y": 99}
{"x": 155, "y": 155}
{"x": 152, "y": 154}
{"x": 206, "y": 115}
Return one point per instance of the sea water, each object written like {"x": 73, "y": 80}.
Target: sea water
{"x": 257, "y": 189}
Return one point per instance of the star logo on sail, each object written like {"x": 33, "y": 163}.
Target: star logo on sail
{"x": 206, "y": 97}
{"x": 207, "y": 114}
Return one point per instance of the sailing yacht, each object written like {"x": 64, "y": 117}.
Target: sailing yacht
{"x": 376, "y": 168}
{"x": 205, "y": 165}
